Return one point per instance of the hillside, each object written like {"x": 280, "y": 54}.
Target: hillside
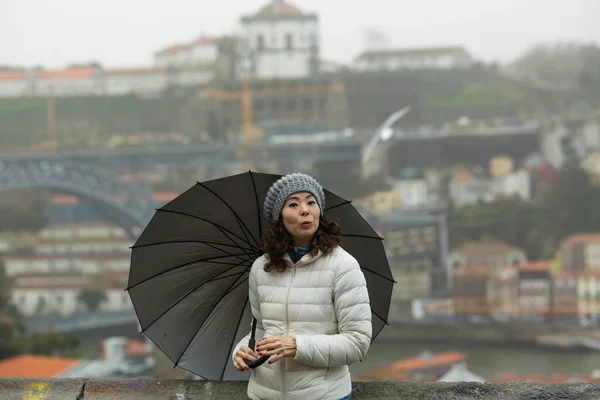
{"x": 435, "y": 96}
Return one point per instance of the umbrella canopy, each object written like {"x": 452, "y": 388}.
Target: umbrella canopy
{"x": 190, "y": 266}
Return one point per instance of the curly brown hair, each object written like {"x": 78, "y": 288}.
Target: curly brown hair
{"x": 276, "y": 241}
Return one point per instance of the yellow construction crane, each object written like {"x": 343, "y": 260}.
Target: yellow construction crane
{"x": 249, "y": 131}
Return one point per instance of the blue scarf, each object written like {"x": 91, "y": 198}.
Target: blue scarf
{"x": 300, "y": 252}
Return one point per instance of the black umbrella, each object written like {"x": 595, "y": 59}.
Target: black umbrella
{"x": 189, "y": 270}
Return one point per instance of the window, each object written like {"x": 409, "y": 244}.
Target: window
{"x": 314, "y": 40}
{"x": 260, "y": 42}
{"x": 289, "y": 41}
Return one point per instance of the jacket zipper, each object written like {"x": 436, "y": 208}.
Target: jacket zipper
{"x": 287, "y": 325}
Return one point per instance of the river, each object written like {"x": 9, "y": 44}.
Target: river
{"x": 489, "y": 361}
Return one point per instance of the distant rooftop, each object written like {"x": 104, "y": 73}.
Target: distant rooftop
{"x": 278, "y": 9}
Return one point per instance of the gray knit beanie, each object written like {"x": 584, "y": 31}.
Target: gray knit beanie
{"x": 287, "y": 185}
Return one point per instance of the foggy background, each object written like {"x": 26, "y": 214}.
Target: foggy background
{"x": 485, "y": 187}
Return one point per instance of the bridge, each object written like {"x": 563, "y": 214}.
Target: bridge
{"x": 128, "y": 205}
{"x": 215, "y": 157}
{"x": 414, "y": 149}
{"x": 92, "y": 175}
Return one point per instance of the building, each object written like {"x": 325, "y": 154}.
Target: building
{"x": 200, "y": 52}
{"x": 83, "y": 238}
{"x": 94, "y": 80}
{"x": 412, "y": 192}
{"x": 424, "y": 367}
{"x": 503, "y": 294}
{"x": 65, "y": 293}
{"x": 465, "y": 189}
{"x": 422, "y": 58}
{"x": 267, "y": 108}
{"x": 565, "y": 298}
{"x": 492, "y": 253}
{"x": 35, "y": 366}
{"x": 87, "y": 264}
{"x": 281, "y": 41}
{"x": 535, "y": 292}
{"x": 581, "y": 252}
{"x": 119, "y": 358}
{"x": 416, "y": 246}
{"x": 588, "y": 298}
{"x": 470, "y": 292}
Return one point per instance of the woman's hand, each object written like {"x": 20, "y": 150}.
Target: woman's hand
{"x": 278, "y": 346}
{"x": 244, "y": 353}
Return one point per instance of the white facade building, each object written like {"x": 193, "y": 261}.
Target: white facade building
{"x": 200, "y": 52}
{"x": 58, "y": 292}
{"x": 413, "y": 192}
{"x": 281, "y": 41}
{"x": 94, "y": 81}
{"x": 487, "y": 190}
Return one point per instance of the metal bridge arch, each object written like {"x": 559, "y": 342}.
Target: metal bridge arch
{"x": 127, "y": 205}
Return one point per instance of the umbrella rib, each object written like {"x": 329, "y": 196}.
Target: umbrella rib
{"x": 187, "y": 241}
{"x": 179, "y": 266}
{"x": 257, "y": 204}
{"x": 378, "y": 274}
{"x": 235, "y": 287}
{"x": 204, "y": 220}
{"x": 361, "y": 236}
{"x": 242, "y": 226}
{"x": 238, "y": 327}
{"x": 229, "y": 253}
{"x": 237, "y": 217}
{"x": 227, "y": 276}
{"x": 379, "y": 316}
{"x": 228, "y": 263}
{"x": 212, "y": 279}
{"x": 246, "y": 251}
{"x": 200, "y": 327}
{"x": 339, "y": 205}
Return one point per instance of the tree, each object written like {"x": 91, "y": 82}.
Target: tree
{"x": 570, "y": 206}
{"x": 92, "y": 299}
{"x": 28, "y": 216}
{"x": 573, "y": 203}
{"x": 51, "y": 343}
{"x": 515, "y": 221}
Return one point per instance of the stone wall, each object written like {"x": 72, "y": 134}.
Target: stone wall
{"x": 141, "y": 389}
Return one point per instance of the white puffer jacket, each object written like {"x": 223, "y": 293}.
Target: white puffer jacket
{"x": 323, "y": 303}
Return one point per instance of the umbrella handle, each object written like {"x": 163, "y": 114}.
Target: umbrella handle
{"x": 258, "y": 362}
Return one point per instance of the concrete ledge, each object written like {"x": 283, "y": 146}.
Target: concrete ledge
{"x": 145, "y": 389}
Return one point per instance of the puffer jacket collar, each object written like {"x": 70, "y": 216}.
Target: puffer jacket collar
{"x": 305, "y": 260}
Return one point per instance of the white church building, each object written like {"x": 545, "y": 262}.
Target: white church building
{"x": 281, "y": 41}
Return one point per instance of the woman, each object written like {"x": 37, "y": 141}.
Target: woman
{"x": 309, "y": 298}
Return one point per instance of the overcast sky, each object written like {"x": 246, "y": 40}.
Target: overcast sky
{"x": 55, "y": 33}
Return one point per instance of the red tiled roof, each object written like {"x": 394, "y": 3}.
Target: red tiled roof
{"x": 12, "y": 75}
{"x": 279, "y": 8}
{"x": 68, "y": 73}
{"x": 473, "y": 270}
{"x": 68, "y": 199}
{"x": 535, "y": 266}
{"x": 416, "y": 363}
{"x": 174, "y": 48}
{"x": 205, "y": 41}
{"x": 583, "y": 237}
{"x": 34, "y": 366}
